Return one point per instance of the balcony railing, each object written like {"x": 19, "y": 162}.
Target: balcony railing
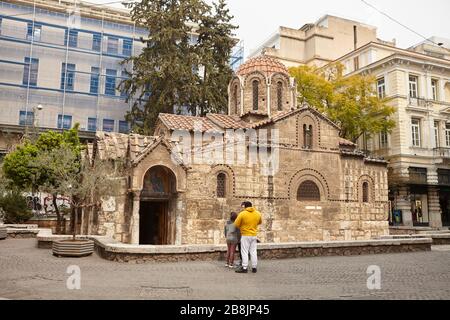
{"x": 442, "y": 153}
{"x": 418, "y": 102}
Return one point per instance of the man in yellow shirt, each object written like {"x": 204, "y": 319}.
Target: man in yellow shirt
{"x": 248, "y": 221}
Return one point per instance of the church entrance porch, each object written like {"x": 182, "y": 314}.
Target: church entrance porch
{"x": 155, "y": 208}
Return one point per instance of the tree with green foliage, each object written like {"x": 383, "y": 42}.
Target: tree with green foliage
{"x": 21, "y": 166}
{"x": 82, "y": 182}
{"x": 351, "y": 102}
{"x": 166, "y": 73}
{"x": 215, "y": 43}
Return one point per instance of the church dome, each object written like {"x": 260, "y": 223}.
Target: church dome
{"x": 264, "y": 64}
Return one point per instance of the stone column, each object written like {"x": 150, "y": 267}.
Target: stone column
{"x": 269, "y": 111}
{"x": 403, "y": 203}
{"x": 434, "y": 207}
{"x": 135, "y": 217}
{"x": 178, "y": 220}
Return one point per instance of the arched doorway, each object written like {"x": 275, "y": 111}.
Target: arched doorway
{"x": 156, "y": 219}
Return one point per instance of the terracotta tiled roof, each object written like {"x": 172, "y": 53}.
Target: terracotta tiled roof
{"x": 180, "y": 122}
{"x": 227, "y": 122}
{"x": 345, "y": 142}
{"x": 263, "y": 64}
{"x": 111, "y": 145}
{"x": 138, "y": 143}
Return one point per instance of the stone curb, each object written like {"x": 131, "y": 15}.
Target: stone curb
{"x": 110, "y": 247}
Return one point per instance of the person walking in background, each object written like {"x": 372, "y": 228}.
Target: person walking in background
{"x": 233, "y": 235}
{"x": 248, "y": 221}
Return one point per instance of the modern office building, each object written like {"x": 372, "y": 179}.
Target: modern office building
{"x": 61, "y": 64}
{"x": 317, "y": 43}
{"x": 417, "y": 83}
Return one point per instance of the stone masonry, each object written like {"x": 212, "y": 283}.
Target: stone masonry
{"x": 324, "y": 189}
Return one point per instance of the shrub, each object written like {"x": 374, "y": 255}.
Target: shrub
{"x": 14, "y": 206}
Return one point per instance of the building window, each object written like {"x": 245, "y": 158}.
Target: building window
{"x": 434, "y": 89}
{"x": 110, "y": 83}
{"x": 35, "y": 34}
{"x": 444, "y": 177}
{"x": 108, "y": 125}
{"x": 73, "y": 38}
{"x": 127, "y": 47}
{"x": 96, "y": 42}
{"x": 30, "y": 71}
{"x": 95, "y": 77}
{"x": 365, "y": 192}
{"x": 381, "y": 88}
{"x": 113, "y": 45}
{"x": 280, "y": 96}
{"x": 64, "y": 122}
{"x": 67, "y": 76}
{"x": 92, "y": 124}
{"x": 383, "y": 139}
{"x": 447, "y": 134}
{"x": 124, "y": 127}
{"x": 26, "y": 118}
{"x": 1, "y": 25}
{"x": 436, "y": 134}
{"x": 255, "y": 84}
{"x": 417, "y": 175}
{"x": 308, "y": 191}
{"x": 413, "y": 87}
{"x": 123, "y": 91}
{"x": 221, "y": 185}
{"x": 415, "y": 129}
{"x": 307, "y": 136}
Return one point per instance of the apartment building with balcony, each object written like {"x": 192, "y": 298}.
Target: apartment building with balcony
{"x": 61, "y": 64}
{"x": 417, "y": 83}
{"x": 317, "y": 43}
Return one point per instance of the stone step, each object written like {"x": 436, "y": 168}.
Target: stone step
{"x": 434, "y": 232}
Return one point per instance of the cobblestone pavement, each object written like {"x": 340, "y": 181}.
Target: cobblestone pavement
{"x": 31, "y": 273}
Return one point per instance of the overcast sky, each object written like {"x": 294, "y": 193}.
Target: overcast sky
{"x": 259, "y": 19}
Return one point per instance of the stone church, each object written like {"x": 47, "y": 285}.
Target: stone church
{"x": 324, "y": 189}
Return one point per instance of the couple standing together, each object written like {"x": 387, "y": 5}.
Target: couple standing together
{"x": 241, "y": 230}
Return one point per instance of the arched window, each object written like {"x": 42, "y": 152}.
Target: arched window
{"x": 307, "y": 136}
{"x": 255, "y": 84}
{"x": 365, "y": 192}
{"x": 280, "y": 95}
{"x": 235, "y": 97}
{"x": 221, "y": 185}
{"x": 308, "y": 191}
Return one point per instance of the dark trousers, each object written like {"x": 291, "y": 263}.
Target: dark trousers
{"x": 240, "y": 252}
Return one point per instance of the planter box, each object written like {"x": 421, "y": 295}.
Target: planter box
{"x": 3, "y": 232}
{"x": 70, "y": 248}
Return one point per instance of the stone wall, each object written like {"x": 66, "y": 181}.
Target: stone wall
{"x": 266, "y": 252}
{"x": 340, "y": 215}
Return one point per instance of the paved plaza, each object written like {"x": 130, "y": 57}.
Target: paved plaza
{"x": 31, "y": 273}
